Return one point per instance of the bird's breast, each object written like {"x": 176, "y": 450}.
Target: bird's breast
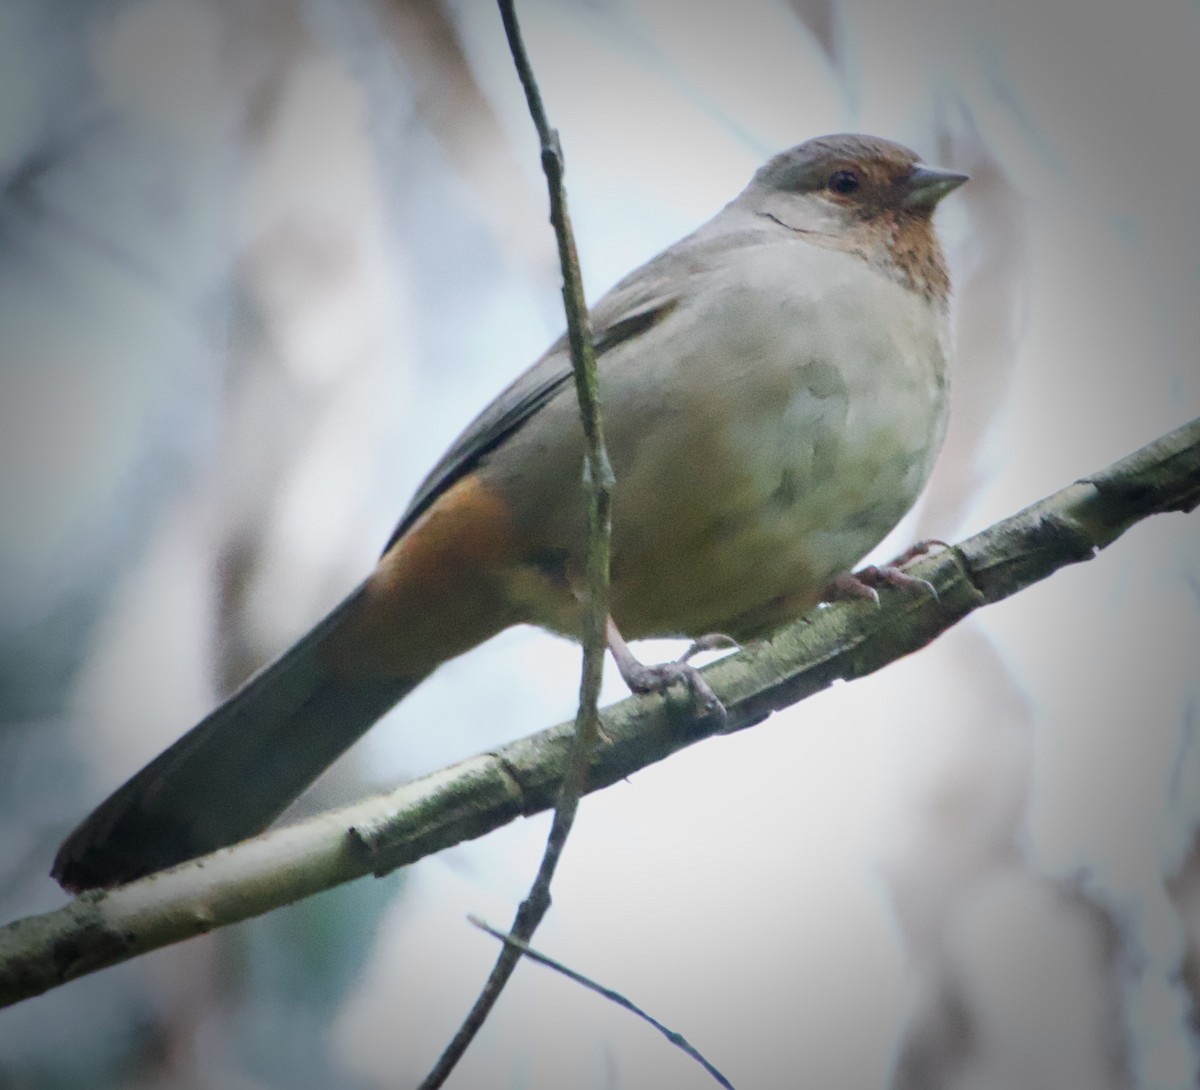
{"x": 805, "y": 419}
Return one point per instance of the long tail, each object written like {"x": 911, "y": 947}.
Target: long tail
{"x": 234, "y": 772}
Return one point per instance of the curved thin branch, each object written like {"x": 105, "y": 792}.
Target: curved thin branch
{"x": 469, "y": 799}
{"x": 599, "y": 486}
{"x": 673, "y": 1036}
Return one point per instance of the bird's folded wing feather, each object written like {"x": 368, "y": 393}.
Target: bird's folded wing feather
{"x": 634, "y": 305}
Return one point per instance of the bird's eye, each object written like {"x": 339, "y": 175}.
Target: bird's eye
{"x": 844, "y": 182}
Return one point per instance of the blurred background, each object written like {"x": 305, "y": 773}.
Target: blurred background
{"x": 261, "y": 261}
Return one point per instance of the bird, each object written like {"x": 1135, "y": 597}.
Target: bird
{"x": 773, "y": 389}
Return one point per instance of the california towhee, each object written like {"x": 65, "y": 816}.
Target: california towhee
{"x": 773, "y": 389}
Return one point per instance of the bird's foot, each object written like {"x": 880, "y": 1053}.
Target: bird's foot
{"x": 864, "y": 583}
{"x": 655, "y": 678}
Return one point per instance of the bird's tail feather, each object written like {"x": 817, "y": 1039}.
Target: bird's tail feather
{"x": 234, "y": 772}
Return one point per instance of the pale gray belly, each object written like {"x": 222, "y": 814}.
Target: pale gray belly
{"x": 777, "y": 505}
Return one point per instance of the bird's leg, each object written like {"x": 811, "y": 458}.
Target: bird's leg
{"x": 642, "y": 678}
{"x": 863, "y": 583}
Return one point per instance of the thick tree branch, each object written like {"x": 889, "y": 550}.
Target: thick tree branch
{"x": 471, "y": 798}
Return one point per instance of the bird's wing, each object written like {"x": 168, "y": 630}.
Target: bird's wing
{"x": 619, "y": 317}
{"x": 631, "y": 307}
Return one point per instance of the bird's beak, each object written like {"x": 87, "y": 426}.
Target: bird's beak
{"x": 928, "y": 185}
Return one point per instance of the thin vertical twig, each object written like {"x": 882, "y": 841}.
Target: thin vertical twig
{"x": 598, "y": 480}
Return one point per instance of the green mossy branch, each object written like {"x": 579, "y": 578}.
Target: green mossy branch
{"x": 482, "y": 793}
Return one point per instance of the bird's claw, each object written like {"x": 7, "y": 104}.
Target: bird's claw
{"x": 657, "y": 677}
{"x": 863, "y": 584}
{"x": 714, "y": 641}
